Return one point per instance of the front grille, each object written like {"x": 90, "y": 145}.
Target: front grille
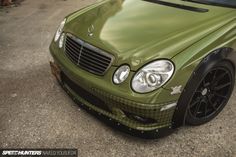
{"x": 87, "y": 56}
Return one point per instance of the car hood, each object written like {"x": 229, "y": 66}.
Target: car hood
{"x": 137, "y": 31}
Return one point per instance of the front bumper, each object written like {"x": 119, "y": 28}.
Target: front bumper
{"x": 139, "y": 114}
{"x": 134, "y": 118}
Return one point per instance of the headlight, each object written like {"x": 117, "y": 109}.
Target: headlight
{"x": 59, "y": 30}
{"x": 152, "y": 76}
{"x": 121, "y": 74}
{"x": 61, "y": 41}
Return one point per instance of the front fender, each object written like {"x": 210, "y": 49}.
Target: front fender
{"x": 205, "y": 65}
{"x": 219, "y": 45}
{"x": 188, "y": 60}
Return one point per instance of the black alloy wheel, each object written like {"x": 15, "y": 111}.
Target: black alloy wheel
{"x": 211, "y": 95}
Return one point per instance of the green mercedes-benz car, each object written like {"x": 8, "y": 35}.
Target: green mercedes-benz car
{"x": 148, "y": 66}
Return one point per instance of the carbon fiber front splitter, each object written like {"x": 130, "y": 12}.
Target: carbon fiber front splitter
{"x": 115, "y": 124}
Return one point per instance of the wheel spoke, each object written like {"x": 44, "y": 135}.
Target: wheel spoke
{"x": 214, "y": 106}
{"x": 209, "y": 97}
{"x": 194, "y": 103}
{"x": 204, "y": 82}
{"x": 199, "y": 91}
{"x": 214, "y": 76}
{"x": 220, "y": 77}
{"x": 222, "y": 86}
{"x": 197, "y": 109}
{"x": 220, "y": 95}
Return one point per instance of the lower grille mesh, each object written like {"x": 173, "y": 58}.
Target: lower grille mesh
{"x": 83, "y": 93}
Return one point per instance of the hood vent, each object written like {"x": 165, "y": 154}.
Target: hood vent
{"x": 185, "y": 7}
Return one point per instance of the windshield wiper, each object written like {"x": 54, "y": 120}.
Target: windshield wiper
{"x": 185, "y": 7}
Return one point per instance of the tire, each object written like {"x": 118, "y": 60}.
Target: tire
{"x": 211, "y": 92}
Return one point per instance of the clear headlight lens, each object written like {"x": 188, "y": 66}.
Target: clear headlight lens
{"x": 121, "y": 74}
{"x": 61, "y": 41}
{"x": 59, "y": 30}
{"x": 152, "y": 76}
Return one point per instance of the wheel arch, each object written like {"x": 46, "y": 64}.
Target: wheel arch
{"x": 218, "y": 55}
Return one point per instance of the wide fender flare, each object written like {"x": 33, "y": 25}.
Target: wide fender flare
{"x": 200, "y": 71}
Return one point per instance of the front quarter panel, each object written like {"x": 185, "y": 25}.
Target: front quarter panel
{"x": 219, "y": 45}
{"x": 187, "y": 61}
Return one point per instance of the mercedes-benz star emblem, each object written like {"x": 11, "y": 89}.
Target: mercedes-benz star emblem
{"x": 90, "y": 30}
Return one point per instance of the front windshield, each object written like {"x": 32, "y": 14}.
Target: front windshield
{"x": 225, "y": 3}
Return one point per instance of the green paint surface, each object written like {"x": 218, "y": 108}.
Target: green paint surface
{"x": 137, "y": 32}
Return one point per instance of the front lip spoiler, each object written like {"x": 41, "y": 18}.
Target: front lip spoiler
{"x": 146, "y": 134}
{"x": 151, "y": 134}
